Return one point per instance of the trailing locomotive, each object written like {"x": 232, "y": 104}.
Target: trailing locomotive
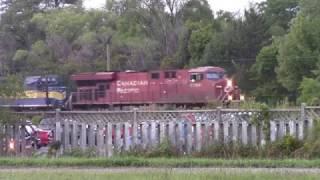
{"x": 40, "y": 92}
{"x": 187, "y": 87}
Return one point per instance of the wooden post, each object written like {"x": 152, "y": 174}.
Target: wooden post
{"x": 216, "y": 131}
{"x": 281, "y": 129}
{"x": 134, "y": 129}
{"x": 181, "y": 136}
{"x": 91, "y": 139}
{"x": 301, "y": 130}
{"x": 172, "y": 133}
{"x": 66, "y": 135}
{"x": 292, "y": 128}
{"x": 273, "y": 131}
{"x": 83, "y": 136}
{"x": 198, "y": 136}
{"x": 226, "y": 136}
{"x": 244, "y": 132}
{"x": 153, "y": 134}
{"x": 303, "y": 112}
{"x": 162, "y": 131}
{"x": 118, "y": 139}
{"x": 235, "y": 128}
{"x": 189, "y": 137}
{"x": 127, "y": 137}
{"x": 109, "y": 139}
{"x": 100, "y": 140}
{"x": 145, "y": 138}
{"x": 75, "y": 128}
{"x": 253, "y": 135}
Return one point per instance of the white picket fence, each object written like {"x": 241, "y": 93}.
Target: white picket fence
{"x": 113, "y": 138}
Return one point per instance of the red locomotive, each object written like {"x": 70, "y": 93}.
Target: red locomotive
{"x": 187, "y": 87}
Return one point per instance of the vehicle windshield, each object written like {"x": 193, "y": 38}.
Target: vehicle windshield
{"x": 214, "y": 75}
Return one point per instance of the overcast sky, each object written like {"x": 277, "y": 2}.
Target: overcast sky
{"x": 228, "y": 5}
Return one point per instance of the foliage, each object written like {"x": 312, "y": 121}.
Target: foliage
{"x": 311, "y": 148}
{"x": 310, "y": 91}
{"x": 165, "y": 149}
{"x": 268, "y": 90}
{"x": 80, "y": 153}
{"x": 154, "y": 174}
{"x": 125, "y": 161}
{"x": 268, "y": 49}
{"x": 284, "y": 148}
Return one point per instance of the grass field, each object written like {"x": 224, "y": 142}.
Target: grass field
{"x": 166, "y": 175}
{"x": 157, "y": 162}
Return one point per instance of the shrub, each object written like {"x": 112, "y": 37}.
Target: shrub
{"x": 284, "y": 148}
{"x": 229, "y": 151}
{"x": 78, "y": 152}
{"x": 311, "y": 148}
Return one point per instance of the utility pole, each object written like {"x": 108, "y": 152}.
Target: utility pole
{"x": 47, "y": 91}
{"x": 108, "y": 42}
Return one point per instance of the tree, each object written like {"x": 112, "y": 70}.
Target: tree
{"x": 268, "y": 89}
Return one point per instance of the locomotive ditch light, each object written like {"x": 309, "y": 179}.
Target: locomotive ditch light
{"x": 242, "y": 97}
{"x": 11, "y": 145}
{"x": 229, "y": 82}
{"x": 230, "y": 98}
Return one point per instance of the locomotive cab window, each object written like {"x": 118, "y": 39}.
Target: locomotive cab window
{"x": 196, "y": 77}
{"x": 214, "y": 75}
{"x": 155, "y": 75}
{"x": 170, "y": 74}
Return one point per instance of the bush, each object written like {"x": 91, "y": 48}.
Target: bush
{"x": 284, "y": 148}
{"x": 229, "y": 151}
{"x": 311, "y": 148}
{"x": 165, "y": 149}
{"x": 78, "y": 152}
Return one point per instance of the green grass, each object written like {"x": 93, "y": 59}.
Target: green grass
{"x": 166, "y": 175}
{"x": 156, "y": 162}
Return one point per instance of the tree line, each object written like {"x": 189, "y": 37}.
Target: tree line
{"x": 271, "y": 50}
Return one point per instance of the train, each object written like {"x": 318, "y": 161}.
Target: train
{"x": 108, "y": 90}
{"x": 45, "y": 92}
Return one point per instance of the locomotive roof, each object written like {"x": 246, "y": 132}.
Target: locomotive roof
{"x": 207, "y": 69}
{"x": 93, "y": 75}
{"x": 111, "y": 75}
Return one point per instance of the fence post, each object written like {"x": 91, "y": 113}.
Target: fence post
{"x": 100, "y": 140}
{"x": 127, "y": 137}
{"x": 109, "y": 139}
{"x": 83, "y": 136}
{"x": 198, "y": 136}
{"x": 74, "y": 139}
{"x": 66, "y": 135}
{"x": 292, "y": 128}
{"x": 244, "y": 133}
{"x": 162, "y": 127}
{"x": 226, "y": 135}
{"x": 181, "y": 137}
{"x": 58, "y": 116}
{"x": 134, "y": 129}
{"x": 153, "y": 134}
{"x": 58, "y": 131}
{"x": 144, "y": 133}
{"x": 189, "y": 137}
{"x": 273, "y": 131}
{"x": 118, "y": 140}
{"x": 235, "y": 129}
{"x": 172, "y": 133}
{"x": 303, "y": 111}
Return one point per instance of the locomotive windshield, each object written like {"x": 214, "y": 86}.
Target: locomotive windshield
{"x": 214, "y": 75}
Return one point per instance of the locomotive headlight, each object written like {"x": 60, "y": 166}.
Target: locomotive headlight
{"x": 230, "y": 98}
{"x": 229, "y": 83}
